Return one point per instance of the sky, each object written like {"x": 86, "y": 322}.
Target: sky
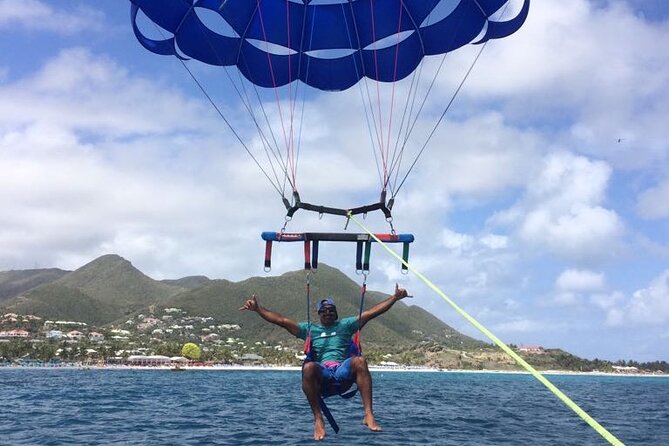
{"x": 540, "y": 205}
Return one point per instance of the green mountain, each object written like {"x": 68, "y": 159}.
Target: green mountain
{"x": 189, "y": 282}
{"x": 57, "y": 302}
{"x": 100, "y": 292}
{"x": 110, "y": 290}
{"x": 113, "y": 280}
{"x": 15, "y": 283}
{"x": 403, "y": 326}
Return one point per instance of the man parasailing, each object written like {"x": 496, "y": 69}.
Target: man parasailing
{"x": 331, "y": 368}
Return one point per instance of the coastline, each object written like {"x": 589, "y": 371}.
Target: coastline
{"x": 272, "y": 368}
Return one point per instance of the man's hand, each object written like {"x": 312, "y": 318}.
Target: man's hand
{"x": 251, "y": 304}
{"x": 400, "y": 293}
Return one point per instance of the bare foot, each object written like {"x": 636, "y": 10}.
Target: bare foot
{"x": 319, "y": 430}
{"x": 371, "y": 423}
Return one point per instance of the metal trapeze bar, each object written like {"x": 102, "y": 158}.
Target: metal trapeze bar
{"x": 311, "y": 241}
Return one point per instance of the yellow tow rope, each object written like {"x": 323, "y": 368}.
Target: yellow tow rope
{"x": 601, "y": 430}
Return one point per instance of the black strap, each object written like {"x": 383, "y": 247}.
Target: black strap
{"x": 299, "y": 204}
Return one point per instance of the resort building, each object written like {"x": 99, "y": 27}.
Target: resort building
{"x": 75, "y": 334}
{"x": 14, "y": 334}
{"x": 94, "y": 336}
{"x": 153, "y": 360}
{"x": 54, "y": 334}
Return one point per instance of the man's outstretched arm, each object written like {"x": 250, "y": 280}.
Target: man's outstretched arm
{"x": 271, "y": 316}
{"x": 383, "y": 306}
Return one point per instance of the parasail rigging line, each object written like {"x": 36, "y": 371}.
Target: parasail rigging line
{"x": 227, "y": 122}
{"x": 448, "y": 105}
{"x": 441, "y": 118}
{"x": 392, "y": 98}
{"x": 245, "y": 100}
{"x": 289, "y": 155}
{"x": 268, "y": 147}
{"x": 410, "y": 99}
{"x": 270, "y": 151}
{"x": 365, "y": 96}
{"x": 378, "y": 56}
{"x": 378, "y": 94}
{"x": 275, "y": 151}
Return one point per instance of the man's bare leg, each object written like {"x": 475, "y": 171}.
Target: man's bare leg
{"x": 311, "y": 386}
{"x": 364, "y": 381}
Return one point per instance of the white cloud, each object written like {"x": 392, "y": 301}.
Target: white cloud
{"x": 91, "y": 164}
{"x": 607, "y": 301}
{"x": 38, "y": 15}
{"x": 654, "y": 202}
{"x": 647, "y": 306}
{"x": 574, "y": 285}
{"x": 592, "y": 67}
{"x": 520, "y": 326}
{"x": 561, "y": 210}
{"x": 82, "y": 92}
{"x": 580, "y": 281}
{"x": 474, "y": 266}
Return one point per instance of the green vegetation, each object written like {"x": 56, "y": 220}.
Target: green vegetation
{"x": 134, "y": 314}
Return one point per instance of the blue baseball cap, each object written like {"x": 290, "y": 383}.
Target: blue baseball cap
{"x": 324, "y": 303}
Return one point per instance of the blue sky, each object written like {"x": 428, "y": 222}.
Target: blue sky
{"x": 527, "y": 210}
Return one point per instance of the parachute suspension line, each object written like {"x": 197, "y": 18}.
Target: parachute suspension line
{"x": 245, "y": 100}
{"x": 271, "y": 151}
{"x": 413, "y": 121}
{"x": 397, "y": 160}
{"x": 276, "y": 152}
{"x": 222, "y": 116}
{"x": 384, "y": 161}
{"x": 398, "y": 151}
{"x": 291, "y": 130}
{"x": 297, "y": 89}
{"x": 364, "y": 102}
{"x": 289, "y": 158}
{"x": 368, "y": 105}
{"x": 448, "y": 106}
{"x": 412, "y": 94}
{"x": 392, "y": 97}
{"x": 232, "y": 129}
{"x": 441, "y": 118}
{"x": 443, "y": 114}
{"x": 601, "y": 430}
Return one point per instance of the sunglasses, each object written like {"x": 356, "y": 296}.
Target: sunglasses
{"x": 328, "y": 310}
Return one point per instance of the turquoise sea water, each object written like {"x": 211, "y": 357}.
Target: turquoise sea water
{"x": 161, "y": 407}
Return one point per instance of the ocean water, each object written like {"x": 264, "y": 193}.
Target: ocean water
{"x": 193, "y": 407}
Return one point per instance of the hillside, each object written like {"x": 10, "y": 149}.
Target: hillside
{"x": 113, "y": 280}
{"x": 102, "y": 291}
{"x": 189, "y": 282}
{"x": 110, "y": 289}
{"x": 110, "y": 292}
{"x": 405, "y": 325}
{"x": 15, "y": 283}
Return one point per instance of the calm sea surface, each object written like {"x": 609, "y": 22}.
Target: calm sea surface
{"x": 154, "y": 407}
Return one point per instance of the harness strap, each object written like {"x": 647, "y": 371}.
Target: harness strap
{"x": 328, "y": 415}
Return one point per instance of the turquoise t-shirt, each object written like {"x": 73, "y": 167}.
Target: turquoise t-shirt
{"x": 330, "y": 343}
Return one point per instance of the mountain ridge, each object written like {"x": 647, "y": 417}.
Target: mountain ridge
{"x": 109, "y": 290}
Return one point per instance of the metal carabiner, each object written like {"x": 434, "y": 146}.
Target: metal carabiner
{"x": 390, "y": 222}
{"x": 285, "y": 223}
